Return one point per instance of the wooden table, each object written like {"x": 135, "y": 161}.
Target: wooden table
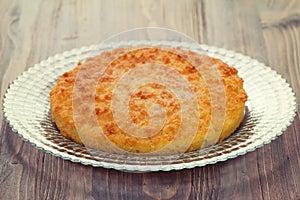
{"x": 267, "y": 30}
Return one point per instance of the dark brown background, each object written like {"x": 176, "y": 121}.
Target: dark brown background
{"x": 267, "y": 30}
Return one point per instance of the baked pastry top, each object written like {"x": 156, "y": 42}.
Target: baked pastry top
{"x": 82, "y": 100}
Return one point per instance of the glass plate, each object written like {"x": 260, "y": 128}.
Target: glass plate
{"x": 270, "y": 109}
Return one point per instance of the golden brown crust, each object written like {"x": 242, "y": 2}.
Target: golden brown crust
{"x": 181, "y": 61}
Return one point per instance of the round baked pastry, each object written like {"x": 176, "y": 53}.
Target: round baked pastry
{"x": 95, "y": 103}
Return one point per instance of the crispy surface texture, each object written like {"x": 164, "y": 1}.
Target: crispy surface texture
{"x": 225, "y": 109}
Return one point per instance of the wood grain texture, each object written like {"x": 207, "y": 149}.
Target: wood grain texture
{"x": 267, "y": 30}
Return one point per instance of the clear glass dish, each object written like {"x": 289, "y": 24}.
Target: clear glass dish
{"x": 270, "y": 109}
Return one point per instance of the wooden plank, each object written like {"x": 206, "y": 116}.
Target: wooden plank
{"x": 281, "y": 29}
